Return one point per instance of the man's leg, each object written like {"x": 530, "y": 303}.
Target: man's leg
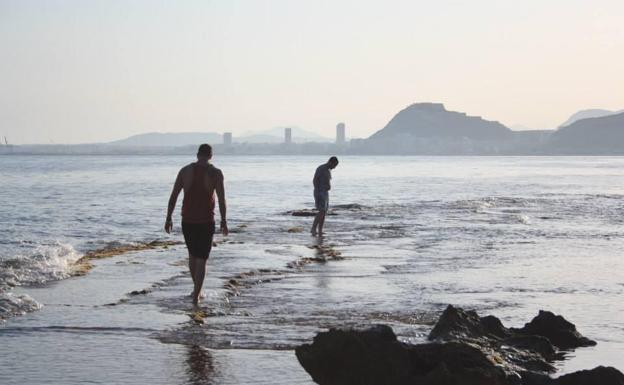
{"x": 193, "y": 270}
{"x": 191, "y": 266}
{"x": 315, "y": 223}
{"x": 321, "y": 221}
{"x": 200, "y": 273}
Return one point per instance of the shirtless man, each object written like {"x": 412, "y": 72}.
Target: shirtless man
{"x": 200, "y": 181}
{"x": 322, "y": 185}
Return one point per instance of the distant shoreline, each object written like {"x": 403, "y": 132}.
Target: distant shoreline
{"x": 566, "y": 155}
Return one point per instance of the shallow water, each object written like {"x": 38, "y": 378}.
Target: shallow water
{"x": 503, "y": 235}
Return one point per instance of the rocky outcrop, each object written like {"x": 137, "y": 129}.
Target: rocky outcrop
{"x": 545, "y": 334}
{"x": 598, "y": 376}
{"x": 375, "y": 356}
{"x": 561, "y": 333}
{"x": 307, "y": 213}
{"x": 468, "y": 350}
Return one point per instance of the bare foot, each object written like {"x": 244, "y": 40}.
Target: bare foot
{"x": 201, "y": 294}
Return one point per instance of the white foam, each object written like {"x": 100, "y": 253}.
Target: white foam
{"x": 12, "y": 305}
{"x": 45, "y": 263}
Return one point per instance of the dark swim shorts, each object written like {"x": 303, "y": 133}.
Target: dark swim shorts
{"x": 198, "y": 238}
{"x": 321, "y": 200}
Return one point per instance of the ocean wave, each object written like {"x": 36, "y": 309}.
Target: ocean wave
{"x": 12, "y": 305}
{"x": 44, "y": 263}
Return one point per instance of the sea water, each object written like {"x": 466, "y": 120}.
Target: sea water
{"x": 505, "y": 236}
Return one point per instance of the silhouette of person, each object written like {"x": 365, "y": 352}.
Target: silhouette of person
{"x": 200, "y": 181}
{"x": 322, "y": 185}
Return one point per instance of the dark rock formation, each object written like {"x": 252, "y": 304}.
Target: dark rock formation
{"x": 468, "y": 350}
{"x": 559, "y": 332}
{"x": 349, "y": 206}
{"x": 307, "y": 213}
{"x": 598, "y": 376}
{"x": 303, "y": 213}
{"x": 456, "y": 323}
{"x": 375, "y": 356}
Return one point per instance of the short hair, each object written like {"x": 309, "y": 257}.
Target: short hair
{"x": 204, "y": 150}
{"x": 333, "y": 159}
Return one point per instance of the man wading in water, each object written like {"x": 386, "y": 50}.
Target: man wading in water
{"x": 322, "y": 185}
{"x": 200, "y": 181}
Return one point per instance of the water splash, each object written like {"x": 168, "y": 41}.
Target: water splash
{"x": 13, "y": 305}
{"x": 44, "y": 263}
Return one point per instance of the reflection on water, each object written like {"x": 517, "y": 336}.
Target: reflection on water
{"x": 201, "y": 370}
{"x": 322, "y": 280}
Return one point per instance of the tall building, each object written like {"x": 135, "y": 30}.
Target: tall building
{"x": 340, "y": 134}
{"x": 227, "y": 138}
{"x": 287, "y": 135}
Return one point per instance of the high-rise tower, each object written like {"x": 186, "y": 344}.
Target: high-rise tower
{"x": 340, "y": 133}
{"x": 227, "y": 138}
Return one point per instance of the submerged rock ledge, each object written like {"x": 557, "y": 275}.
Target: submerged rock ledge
{"x": 465, "y": 350}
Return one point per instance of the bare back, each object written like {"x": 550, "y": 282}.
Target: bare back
{"x": 199, "y": 182}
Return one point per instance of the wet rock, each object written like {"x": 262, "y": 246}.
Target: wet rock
{"x": 83, "y": 265}
{"x": 299, "y": 263}
{"x": 468, "y": 350}
{"x": 537, "y": 344}
{"x": 199, "y": 316}
{"x": 349, "y": 206}
{"x": 326, "y": 252}
{"x": 139, "y": 292}
{"x": 303, "y": 213}
{"x": 600, "y": 375}
{"x": 375, "y": 356}
{"x": 456, "y": 323}
{"x": 545, "y": 334}
{"x": 296, "y": 229}
{"x": 557, "y": 329}
{"x": 307, "y": 213}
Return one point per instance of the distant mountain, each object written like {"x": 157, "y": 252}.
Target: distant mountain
{"x": 602, "y": 135}
{"x": 177, "y": 139}
{"x": 157, "y": 139}
{"x": 276, "y": 135}
{"x": 432, "y": 120}
{"x": 591, "y": 113}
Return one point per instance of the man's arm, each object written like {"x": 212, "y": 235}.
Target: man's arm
{"x": 177, "y": 187}
{"x": 222, "y": 206}
{"x": 315, "y": 180}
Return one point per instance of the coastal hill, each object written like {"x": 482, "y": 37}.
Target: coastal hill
{"x": 433, "y": 120}
{"x": 157, "y": 139}
{"x": 430, "y": 129}
{"x": 590, "y": 113}
{"x": 603, "y": 135}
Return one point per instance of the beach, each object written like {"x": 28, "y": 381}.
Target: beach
{"x": 506, "y": 236}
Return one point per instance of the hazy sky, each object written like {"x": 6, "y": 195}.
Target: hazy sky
{"x": 85, "y": 71}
